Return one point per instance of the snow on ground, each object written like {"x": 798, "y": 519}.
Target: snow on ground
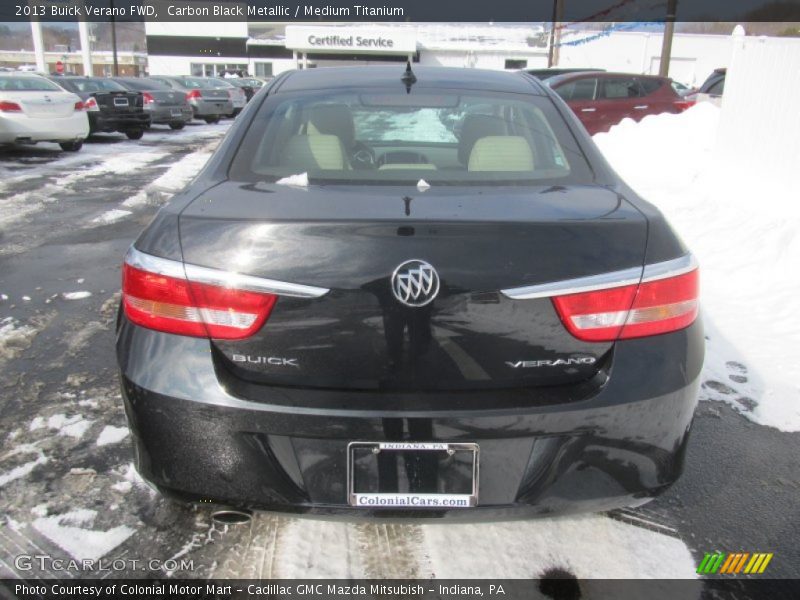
{"x": 22, "y": 470}
{"x": 175, "y": 178}
{"x": 74, "y": 426}
{"x": 110, "y": 216}
{"x": 745, "y": 230}
{"x": 71, "y": 532}
{"x": 76, "y": 295}
{"x": 14, "y": 337}
{"x": 112, "y": 435}
{"x": 100, "y": 159}
{"x": 588, "y": 546}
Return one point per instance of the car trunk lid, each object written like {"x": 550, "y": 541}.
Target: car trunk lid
{"x": 350, "y": 240}
{"x": 44, "y": 105}
{"x": 168, "y": 98}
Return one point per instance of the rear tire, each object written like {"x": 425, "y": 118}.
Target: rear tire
{"x": 71, "y": 146}
{"x": 177, "y": 126}
{"x": 134, "y": 134}
{"x": 211, "y": 120}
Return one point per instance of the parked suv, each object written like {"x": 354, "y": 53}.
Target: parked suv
{"x": 601, "y": 100}
{"x": 715, "y": 84}
{"x": 109, "y": 105}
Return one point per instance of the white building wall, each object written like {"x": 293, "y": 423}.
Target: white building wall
{"x": 199, "y": 29}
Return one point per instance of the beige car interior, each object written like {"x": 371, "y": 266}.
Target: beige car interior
{"x": 327, "y": 137}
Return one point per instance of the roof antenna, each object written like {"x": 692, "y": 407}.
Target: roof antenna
{"x": 408, "y": 77}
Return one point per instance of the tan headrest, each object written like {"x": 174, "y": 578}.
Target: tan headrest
{"x": 305, "y": 152}
{"x": 501, "y": 153}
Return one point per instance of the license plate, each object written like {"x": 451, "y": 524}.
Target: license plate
{"x": 121, "y": 102}
{"x": 415, "y": 475}
{"x": 176, "y": 112}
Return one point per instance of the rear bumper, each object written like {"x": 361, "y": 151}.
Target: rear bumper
{"x": 161, "y": 116}
{"x": 67, "y": 129}
{"x": 121, "y": 122}
{"x": 619, "y": 447}
{"x": 211, "y": 108}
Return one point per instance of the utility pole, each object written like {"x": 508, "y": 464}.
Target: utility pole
{"x": 114, "y": 39}
{"x": 555, "y": 33}
{"x": 86, "y": 47}
{"x": 669, "y": 30}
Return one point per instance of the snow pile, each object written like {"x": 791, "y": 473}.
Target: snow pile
{"x": 300, "y": 180}
{"x": 744, "y": 229}
{"x": 70, "y": 531}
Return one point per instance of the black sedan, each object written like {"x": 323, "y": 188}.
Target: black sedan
{"x": 164, "y": 105}
{"x": 110, "y": 106}
{"x": 418, "y": 294}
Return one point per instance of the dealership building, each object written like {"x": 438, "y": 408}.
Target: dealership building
{"x": 267, "y": 49}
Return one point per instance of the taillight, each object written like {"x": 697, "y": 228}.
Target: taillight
{"x": 193, "y": 95}
{"x": 682, "y": 105}
{"x": 10, "y": 107}
{"x": 173, "y": 304}
{"x": 631, "y": 311}
{"x": 91, "y": 105}
{"x": 148, "y": 98}
{"x": 80, "y": 105}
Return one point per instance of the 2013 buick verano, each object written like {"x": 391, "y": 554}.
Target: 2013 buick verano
{"x": 397, "y": 293}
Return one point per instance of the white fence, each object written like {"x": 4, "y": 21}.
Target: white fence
{"x": 759, "y": 131}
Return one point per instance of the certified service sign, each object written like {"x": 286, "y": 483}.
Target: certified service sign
{"x": 351, "y": 39}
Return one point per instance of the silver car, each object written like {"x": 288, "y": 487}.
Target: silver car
{"x": 209, "y": 102}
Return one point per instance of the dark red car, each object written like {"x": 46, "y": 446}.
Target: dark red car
{"x": 601, "y": 100}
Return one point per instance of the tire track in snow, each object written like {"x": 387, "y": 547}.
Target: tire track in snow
{"x": 254, "y": 555}
{"x": 392, "y": 551}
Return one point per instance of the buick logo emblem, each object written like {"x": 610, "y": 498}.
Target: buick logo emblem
{"x": 415, "y": 283}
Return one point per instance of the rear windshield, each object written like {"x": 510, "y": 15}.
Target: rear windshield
{"x": 197, "y": 83}
{"x": 442, "y": 136}
{"x": 27, "y": 84}
{"x": 145, "y": 85}
{"x": 92, "y": 85}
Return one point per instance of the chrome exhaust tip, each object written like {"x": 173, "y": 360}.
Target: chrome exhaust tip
{"x": 231, "y": 516}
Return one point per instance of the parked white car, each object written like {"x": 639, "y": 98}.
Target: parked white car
{"x": 34, "y": 109}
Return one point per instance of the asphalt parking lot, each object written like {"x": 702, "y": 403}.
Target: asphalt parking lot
{"x": 68, "y": 487}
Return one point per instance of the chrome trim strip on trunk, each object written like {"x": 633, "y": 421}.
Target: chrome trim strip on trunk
{"x": 602, "y": 281}
{"x": 669, "y": 268}
{"x": 576, "y": 286}
{"x": 206, "y": 275}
